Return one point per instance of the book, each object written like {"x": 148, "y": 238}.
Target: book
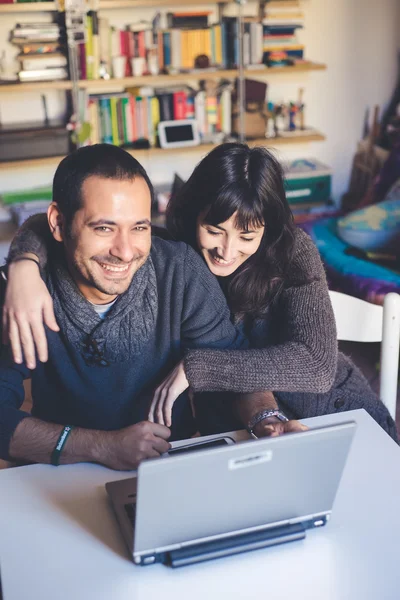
{"x": 53, "y": 74}
{"x": 38, "y": 47}
{"x": 42, "y": 61}
{"x": 105, "y": 120}
{"x": 191, "y": 20}
{"x": 166, "y": 106}
{"x": 179, "y": 104}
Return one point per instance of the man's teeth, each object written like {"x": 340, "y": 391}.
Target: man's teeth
{"x": 114, "y": 269}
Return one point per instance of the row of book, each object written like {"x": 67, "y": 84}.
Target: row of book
{"x": 175, "y": 50}
{"x": 126, "y": 118}
{"x": 42, "y": 56}
{"x": 283, "y": 19}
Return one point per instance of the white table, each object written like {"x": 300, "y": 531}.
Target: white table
{"x": 59, "y": 539}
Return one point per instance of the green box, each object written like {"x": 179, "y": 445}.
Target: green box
{"x": 307, "y": 181}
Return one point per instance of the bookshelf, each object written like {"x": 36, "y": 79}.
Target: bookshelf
{"x": 98, "y": 86}
{"x": 103, "y": 84}
{"x": 28, "y": 7}
{"x": 154, "y": 152}
{"x": 107, "y": 4}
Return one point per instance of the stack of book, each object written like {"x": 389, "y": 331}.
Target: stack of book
{"x": 41, "y": 53}
{"x": 128, "y": 118}
{"x": 282, "y": 20}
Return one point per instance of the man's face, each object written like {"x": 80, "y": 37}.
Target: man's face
{"x": 110, "y": 236}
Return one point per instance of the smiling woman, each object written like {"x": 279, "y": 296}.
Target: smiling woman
{"x": 226, "y": 246}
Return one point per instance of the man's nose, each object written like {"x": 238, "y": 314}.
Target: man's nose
{"x": 123, "y": 248}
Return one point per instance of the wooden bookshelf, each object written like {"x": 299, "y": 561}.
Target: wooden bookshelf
{"x": 27, "y": 7}
{"x": 152, "y": 80}
{"x": 111, "y": 4}
{"x": 35, "y": 86}
{"x": 157, "y": 152}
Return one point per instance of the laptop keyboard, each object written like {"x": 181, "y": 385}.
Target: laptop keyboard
{"x": 130, "y": 510}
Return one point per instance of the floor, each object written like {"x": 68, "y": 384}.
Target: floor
{"x": 365, "y": 356}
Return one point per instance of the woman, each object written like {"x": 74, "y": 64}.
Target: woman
{"x": 233, "y": 211}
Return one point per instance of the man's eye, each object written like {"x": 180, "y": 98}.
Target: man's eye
{"x": 103, "y": 229}
{"x": 140, "y": 228}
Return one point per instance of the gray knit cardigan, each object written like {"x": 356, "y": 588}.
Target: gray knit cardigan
{"x": 294, "y": 352}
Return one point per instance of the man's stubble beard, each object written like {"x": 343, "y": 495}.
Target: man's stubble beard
{"x": 109, "y": 288}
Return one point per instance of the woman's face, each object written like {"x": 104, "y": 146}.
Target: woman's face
{"x": 224, "y": 247}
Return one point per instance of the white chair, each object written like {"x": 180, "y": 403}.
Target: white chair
{"x": 360, "y": 321}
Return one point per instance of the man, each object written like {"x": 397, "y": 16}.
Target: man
{"x": 127, "y": 308}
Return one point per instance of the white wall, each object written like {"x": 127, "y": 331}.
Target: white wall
{"x": 357, "y": 39}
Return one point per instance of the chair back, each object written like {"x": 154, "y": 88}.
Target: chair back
{"x": 361, "y": 321}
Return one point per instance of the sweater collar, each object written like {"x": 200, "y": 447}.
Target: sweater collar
{"x": 126, "y": 327}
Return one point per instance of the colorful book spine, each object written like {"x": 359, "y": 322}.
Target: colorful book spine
{"x": 114, "y": 121}
{"x": 89, "y": 47}
{"x": 179, "y": 103}
{"x": 105, "y": 120}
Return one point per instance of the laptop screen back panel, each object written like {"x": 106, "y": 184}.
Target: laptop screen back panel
{"x": 212, "y": 493}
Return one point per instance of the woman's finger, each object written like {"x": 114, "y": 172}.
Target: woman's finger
{"x": 39, "y": 337}
{"x": 6, "y": 335}
{"x": 15, "y": 341}
{"x": 49, "y": 317}
{"x": 168, "y": 406}
{"x": 160, "y": 406}
{"x": 153, "y": 405}
{"x": 28, "y": 346}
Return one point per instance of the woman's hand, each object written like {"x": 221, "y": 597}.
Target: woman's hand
{"x": 28, "y": 306}
{"x": 274, "y": 428}
{"x": 166, "y": 394}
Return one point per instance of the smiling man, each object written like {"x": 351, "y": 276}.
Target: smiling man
{"x": 127, "y": 307}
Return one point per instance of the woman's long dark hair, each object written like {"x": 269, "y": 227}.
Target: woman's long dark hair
{"x": 234, "y": 178}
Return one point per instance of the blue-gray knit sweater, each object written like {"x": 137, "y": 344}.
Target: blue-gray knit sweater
{"x": 191, "y": 312}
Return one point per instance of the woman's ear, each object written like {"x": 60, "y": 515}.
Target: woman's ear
{"x": 56, "y": 222}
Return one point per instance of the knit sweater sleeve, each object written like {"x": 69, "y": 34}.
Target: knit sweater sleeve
{"x": 305, "y": 357}
{"x": 32, "y": 237}
{"x": 11, "y": 398}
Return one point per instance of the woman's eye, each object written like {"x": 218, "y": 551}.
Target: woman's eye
{"x": 213, "y": 232}
{"x": 247, "y": 239}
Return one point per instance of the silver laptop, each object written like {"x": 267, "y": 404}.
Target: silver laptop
{"x": 231, "y": 498}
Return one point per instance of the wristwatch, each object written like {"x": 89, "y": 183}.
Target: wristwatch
{"x": 264, "y": 414}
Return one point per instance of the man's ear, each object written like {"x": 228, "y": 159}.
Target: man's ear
{"x": 56, "y": 222}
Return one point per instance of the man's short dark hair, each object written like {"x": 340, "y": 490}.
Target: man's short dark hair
{"x": 101, "y": 160}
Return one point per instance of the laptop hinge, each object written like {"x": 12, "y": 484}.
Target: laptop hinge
{"x": 236, "y": 544}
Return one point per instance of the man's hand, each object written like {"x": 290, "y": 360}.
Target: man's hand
{"x": 165, "y": 395}
{"x": 124, "y": 449}
{"x": 274, "y": 428}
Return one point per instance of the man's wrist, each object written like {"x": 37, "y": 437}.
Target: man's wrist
{"x": 86, "y": 445}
